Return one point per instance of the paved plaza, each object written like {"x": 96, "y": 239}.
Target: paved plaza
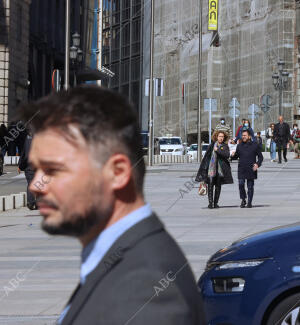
{"x": 39, "y": 272}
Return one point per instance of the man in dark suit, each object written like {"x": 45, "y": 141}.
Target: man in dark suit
{"x": 23, "y": 165}
{"x": 87, "y": 145}
{"x": 282, "y": 136}
{"x": 250, "y": 159}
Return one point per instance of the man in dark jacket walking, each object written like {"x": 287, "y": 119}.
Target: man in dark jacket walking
{"x": 29, "y": 172}
{"x": 282, "y": 136}
{"x": 250, "y": 159}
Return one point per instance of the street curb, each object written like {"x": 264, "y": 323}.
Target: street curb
{"x": 13, "y": 201}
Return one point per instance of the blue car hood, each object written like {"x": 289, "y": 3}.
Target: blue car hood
{"x": 260, "y": 245}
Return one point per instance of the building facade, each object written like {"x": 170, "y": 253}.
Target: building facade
{"x": 122, "y": 47}
{"x": 253, "y": 36}
{"x": 14, "y": 49}
{"x": 47, "y": 40}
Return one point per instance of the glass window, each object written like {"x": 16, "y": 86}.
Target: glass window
{"x": 115, "y": 12}
{"x": 125, "y": 72}
{"x": 126, "y": 10}
{"x": 136, "y": 8}
{"x": 125, "y": 40}
{"x": 135, "y": 69}
{"x": 135, "y": 92}
{"x": 125, "y": 90}
{"x": 106, "y": 13}
{"x": 136, "y": 37}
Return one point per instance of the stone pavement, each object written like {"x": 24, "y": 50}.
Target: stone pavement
{"x": 11, "y": 182}
{"x": 38, "y": 272}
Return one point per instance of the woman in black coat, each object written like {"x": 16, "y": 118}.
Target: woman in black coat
{"x": 215, "y": 168}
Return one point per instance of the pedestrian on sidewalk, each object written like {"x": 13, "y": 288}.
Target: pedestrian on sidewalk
{"x": 250, "y": 159}
{"x": 87, "y": 141}
{"x": 222, "y": 126}
{"x": 296, "y": 140}
{"x": 215, "y": 168}
{"x": 239, "y": 128}
{"x": 271, "y": 144}
{"x": 246, "y": 126}
{"x": 3, "y": 139}
{"x": 258, "y": 140}
{"x": 282, "y": 137}
{"x": 24, "y": 165}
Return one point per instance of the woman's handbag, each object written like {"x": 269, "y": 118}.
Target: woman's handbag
{"x": 202, "y": 189}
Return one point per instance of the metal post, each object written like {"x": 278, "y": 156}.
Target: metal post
{"x": 234, "y": 101}
{"x": 265, "y": 126}
{"x": 280, "y": 94}
{"x": 199, "y": 155}
{"x": 184, "y": 110}
{"x": 67, "y": 47}
{"x": 150, "y": 145}
{"x": 155, "y": 82}
{"x": 210, "y": 102}
{"x": 252, "y": 116}
{"x": 99, "y": 55}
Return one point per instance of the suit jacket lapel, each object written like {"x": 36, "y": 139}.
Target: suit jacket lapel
{"x": 114, "y": 256}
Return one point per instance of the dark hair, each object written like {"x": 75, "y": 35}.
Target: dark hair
{"x": 295, "y": 124}
{"x": 258, "y": 133}
{"x": 222, "y": 118}
{"x": 216, "y": 134}
{"x": 102, "y": 116}
{"x": 247, "y": 131}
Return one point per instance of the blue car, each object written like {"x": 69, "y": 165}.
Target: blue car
{"x": 255, "y": 281}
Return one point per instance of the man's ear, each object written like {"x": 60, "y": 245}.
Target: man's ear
{"x": 120, "y": 171}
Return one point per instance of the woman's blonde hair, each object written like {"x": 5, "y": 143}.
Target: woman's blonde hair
{"x": 216, "y": 134}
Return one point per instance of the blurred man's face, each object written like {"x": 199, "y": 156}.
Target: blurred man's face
{"x": 245, "y": 137}
{"x": 73, "y": 193}
{"x": 280, "y": 119}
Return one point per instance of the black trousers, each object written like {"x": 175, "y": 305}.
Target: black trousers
{"x": 281, "y": 146}
{"x": 214, "y": 195}
{"x": 250, "y": 186}
{"x": 29, "y": 174}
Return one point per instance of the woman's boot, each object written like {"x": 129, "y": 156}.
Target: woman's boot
{"x": 210, "y": 193}
{"x": 217, "y": 196}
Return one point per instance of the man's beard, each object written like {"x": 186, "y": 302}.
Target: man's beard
{"x": 79, "y": 225}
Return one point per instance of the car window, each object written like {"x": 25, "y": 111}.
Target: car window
{"x": 204, "y": 147}
{"x": 194, "y": 148}
{"x": 169, "y": 141}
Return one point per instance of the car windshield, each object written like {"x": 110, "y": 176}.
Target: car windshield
{"x": 169, "y": 141}
{"x": 194, "y": 147}
{"x": 204, "y": 147}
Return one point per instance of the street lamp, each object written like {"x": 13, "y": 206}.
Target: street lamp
{"x": 79, "y": 55}
{"x": 76, "y": 39}
{"x": 76, "y": 54}
{"x": 73, "y": 53}
{"x": 280, "y": 82}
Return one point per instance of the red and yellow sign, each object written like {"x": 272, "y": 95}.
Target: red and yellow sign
{"x": 212, "y": 14}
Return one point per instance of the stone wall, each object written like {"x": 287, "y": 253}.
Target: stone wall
{"x": 14, "y": 47}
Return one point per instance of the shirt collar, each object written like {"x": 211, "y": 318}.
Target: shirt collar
{"x": 93, "y": 253}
